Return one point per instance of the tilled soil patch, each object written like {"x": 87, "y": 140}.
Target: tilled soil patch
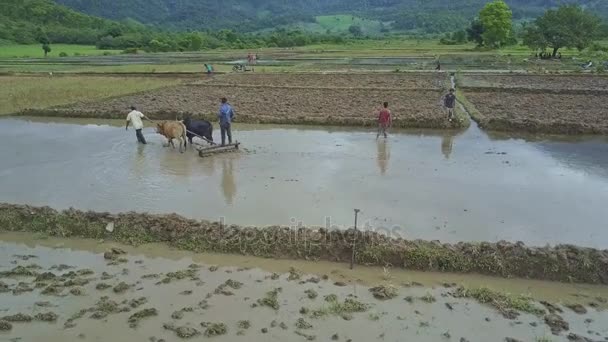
{"x": 352, "y": 107}
{"x": 550, "y": 112}
{"x": 541, "y": 82}
{"x": 338, "y": 80}
{"x": 562, "y": 263}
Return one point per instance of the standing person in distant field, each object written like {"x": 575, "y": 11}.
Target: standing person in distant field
{"x": 134, "y": 118}
{"x": 226, "y": 115}
{"x": 384, "y": 120}
{"x": 449, "y": 102}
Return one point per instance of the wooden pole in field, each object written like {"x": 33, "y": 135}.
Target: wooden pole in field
{"x": 352, "y": 257}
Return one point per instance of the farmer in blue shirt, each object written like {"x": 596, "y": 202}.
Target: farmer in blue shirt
{"x": 226, "y": 115}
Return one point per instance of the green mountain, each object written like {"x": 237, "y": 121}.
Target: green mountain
{"x": 28, "y": 21}
{"x": 253, "y": 15}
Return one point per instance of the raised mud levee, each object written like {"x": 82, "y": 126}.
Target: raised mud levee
{"x": 560, "y": 263}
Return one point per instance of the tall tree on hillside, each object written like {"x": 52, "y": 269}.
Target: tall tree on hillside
{"x": 568, "y": 26}
{"x": 497, "y": 25}
{"x": 355, "y": 30}
{"x": 475, "y": 32}
{"x": 43, "y": 39}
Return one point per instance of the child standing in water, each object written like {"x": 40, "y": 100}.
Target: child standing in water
{"x": 384, "y": 120}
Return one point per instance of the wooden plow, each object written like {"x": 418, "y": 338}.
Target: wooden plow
{"x": 207, "y": 150}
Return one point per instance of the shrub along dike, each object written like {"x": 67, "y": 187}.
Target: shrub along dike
{"x": 565, "y": 263}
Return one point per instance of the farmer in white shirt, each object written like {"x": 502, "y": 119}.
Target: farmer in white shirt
{"x": 134, "y": 118}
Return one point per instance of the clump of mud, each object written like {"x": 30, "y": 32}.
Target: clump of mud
{"x": 244, "y": 325}
{"x": 4, "y": 287}
{"x": 46, "y": 276}
{"x": 121, "y": 287}
{"x": 20, "y": 271}
{"x": 302, "y": 324}
{"x": 384, "y": 292}
{"x": 294, "y": 274}
{"x": 509, "y": 306}
{"x": 306, "y": 336}
{"x": 137, "y": 302}
{"x": 271, "y": 299}
{"x": 312, "y": 294}
{"x": 182, "y": 331}
{"x": 46, "y": 317}
{"x": 17, "y": 318}
{"x": 578, "y": 308}
{"x": 179, "y": 275}
{"x": 429, "y": 298}
{"x": 77, "y": 291}
{"x": 5, "y": 326}
{"x": 562, "y": 263}
{"x": 138, "y": 316}
{"x": 102, "y": 286}
{"x": 214, "y": 329}
{"x": 223, "y": 288}
{"x": 334, "y": 307}
{"x": 22, "y": 288}
{"x": 556, "y": 323}
{"x": 54, "y": 289}
{"x": 104, "y": 307}
{"x": 113, "y": 254}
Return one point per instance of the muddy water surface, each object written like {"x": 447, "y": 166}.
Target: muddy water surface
{"x": 449, "y": 186}
{"x": 419, "y": 312}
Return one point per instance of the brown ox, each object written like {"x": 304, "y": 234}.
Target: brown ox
{"x": 173, "y": 130}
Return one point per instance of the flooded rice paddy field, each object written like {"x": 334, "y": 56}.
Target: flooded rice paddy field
{"x": 450, "y": 186}
{"x": 99, "y": 291}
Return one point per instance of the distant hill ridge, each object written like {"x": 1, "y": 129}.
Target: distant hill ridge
{"x": 251, "y": 15}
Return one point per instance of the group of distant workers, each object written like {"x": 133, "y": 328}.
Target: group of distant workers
{"x": 385, "y": 117}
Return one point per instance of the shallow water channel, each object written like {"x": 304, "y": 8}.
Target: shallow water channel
{"x": 95, "y": 299}
{"x": 451, "y": 186}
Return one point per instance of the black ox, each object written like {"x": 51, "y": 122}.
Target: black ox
{"x": 201, "y": 128}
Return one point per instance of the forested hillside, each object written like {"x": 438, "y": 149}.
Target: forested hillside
{"x": 250, "y": 15}
{"x": 25, "y": 21}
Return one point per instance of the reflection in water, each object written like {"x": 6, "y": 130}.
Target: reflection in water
{"x": 228, "y": 184}
{"x": 174, "y": 163}
{"x": 447, "y": 144}
{"x": 384, "y": 155}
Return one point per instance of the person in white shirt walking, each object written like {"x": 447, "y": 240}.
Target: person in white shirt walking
{"x": 135, "y": 118}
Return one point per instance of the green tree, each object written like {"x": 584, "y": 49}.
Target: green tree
{"x": 568, "y": 26}
{"x": 46, "y": 48}
{"x": 475, "y": 32}
{"x": 459, "y": 36}
{"x": 355, "y": 30}
{"x": 196, "y": 42}
{"x": 497, "y": 25}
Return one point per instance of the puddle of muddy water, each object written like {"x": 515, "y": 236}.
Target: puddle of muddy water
{"x": 451, "y": 186}
{"x": 428, "y": 314}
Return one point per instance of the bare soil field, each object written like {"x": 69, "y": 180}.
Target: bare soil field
{"x": 338, "y": 80}
{"x": 537, "y": 82}
{"x": 550, "y": 112}
{"x": 278, "y": 105}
